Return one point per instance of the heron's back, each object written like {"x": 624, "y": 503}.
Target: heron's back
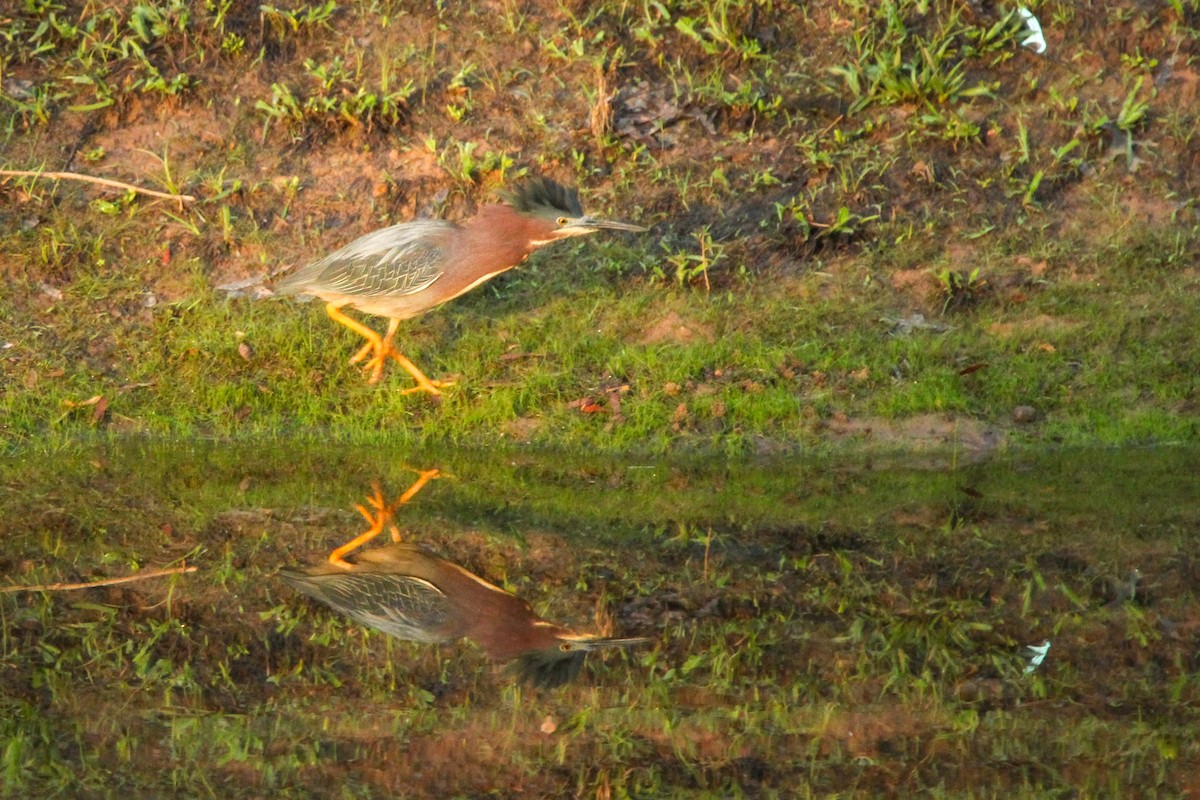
{"x": 402, "y": 606}
{"x": 386, "y": 272}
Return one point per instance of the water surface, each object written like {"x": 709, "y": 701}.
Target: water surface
{"x": 849, "y": 626}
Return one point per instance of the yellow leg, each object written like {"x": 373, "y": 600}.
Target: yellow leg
{"x": 424, "y": 384}
{"x": 383, "y": 519}
{"x": 381, "y": 348}
{"x": 374, "y": 341}
{"x": 362, "y": 353}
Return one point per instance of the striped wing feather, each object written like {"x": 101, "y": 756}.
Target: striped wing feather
{"x": 399, "y": 605}
{"x": 400, "y": 260}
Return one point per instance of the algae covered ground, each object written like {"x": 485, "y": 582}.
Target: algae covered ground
{"x": 888, "y": 224}
{"x": 901, "y": 380}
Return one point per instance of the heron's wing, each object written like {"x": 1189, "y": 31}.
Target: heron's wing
{"x": 396, "y": 261}
{"x": 399, "y": 605}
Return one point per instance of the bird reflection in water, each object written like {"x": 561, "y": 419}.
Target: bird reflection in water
{"x": 410, "y": 593}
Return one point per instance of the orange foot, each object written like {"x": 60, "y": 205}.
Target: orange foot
{"x": 380, "y": 349}
{"x": 383, "y": 517}
{"x": 380, "y": 352}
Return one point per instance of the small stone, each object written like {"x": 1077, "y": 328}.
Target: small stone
{"x": 1023, "y": 415}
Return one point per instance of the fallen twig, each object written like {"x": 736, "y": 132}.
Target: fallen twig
{"x": 75, "y": 176}
{"x": 66, "y": 587}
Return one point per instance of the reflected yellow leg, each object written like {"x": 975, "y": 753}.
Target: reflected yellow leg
{"x": 384, "y": 517}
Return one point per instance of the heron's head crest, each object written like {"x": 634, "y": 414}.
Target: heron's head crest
{"x": 547, "y": 669}
{"x": 543, "y": 196}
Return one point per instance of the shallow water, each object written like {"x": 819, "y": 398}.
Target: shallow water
{"x": 852, "y": 626}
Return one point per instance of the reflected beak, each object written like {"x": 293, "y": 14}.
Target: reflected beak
{"x": 589, "y": 645}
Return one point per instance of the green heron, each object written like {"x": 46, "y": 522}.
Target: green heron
{"x": 407, "y": 269}
{"x": 409, "y": 593}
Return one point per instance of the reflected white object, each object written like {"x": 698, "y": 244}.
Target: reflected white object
{"x": 1035, "y": 40}
{"x": 1036, "y": 655}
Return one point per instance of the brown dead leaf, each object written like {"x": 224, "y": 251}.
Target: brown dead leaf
{"x": 586, "y": 405}
{"x": 644, "y": 112}
{"x": 923, "y": 171}
{"x": 101, "y": 406}
{"x": 614, "y": 402}
{"x": 91, "y": 401}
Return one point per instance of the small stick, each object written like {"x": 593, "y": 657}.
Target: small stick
{"x": 829, "y": 127}
{"x": 75, "y": 176}
{"x": 66, "y": 587}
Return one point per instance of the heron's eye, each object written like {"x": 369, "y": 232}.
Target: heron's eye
{"x": 563, "y": 220}
{"x": 565, "y": 647}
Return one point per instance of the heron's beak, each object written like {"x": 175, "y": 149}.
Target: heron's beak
{"x": 583, "y": 225}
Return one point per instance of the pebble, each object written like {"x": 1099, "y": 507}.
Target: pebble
{"x": 1023, "y": 415}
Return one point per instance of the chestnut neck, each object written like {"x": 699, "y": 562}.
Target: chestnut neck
{"x": 498, "y": 238}
{"x": 502, "y": 624}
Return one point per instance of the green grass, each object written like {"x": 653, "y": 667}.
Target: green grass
{"x": 747, "y": 364}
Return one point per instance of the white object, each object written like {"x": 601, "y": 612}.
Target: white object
{"x": 1036, "y": 655}
{"x": 1035, "y": 40}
